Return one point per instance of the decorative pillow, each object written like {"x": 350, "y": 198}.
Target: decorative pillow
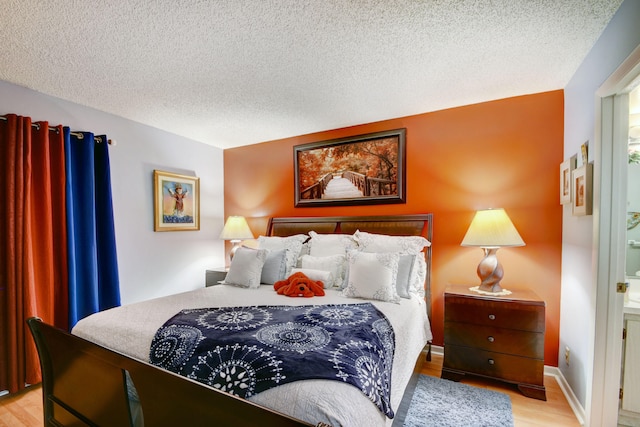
{"x": 330, "y": 244}
{"x": 246, "y": 267}
{"x": 326, "y": 277}
{"x": 274, "y": 267}
{"x": 292, "y": 243}
{"x": 418, "y": 275}
{"x": 404, "y": 283}
{"x": 333, "y": 263}
{"x": 304, "y": 251}
{"x": 369, "y": 242}
{"x": 372, "y": 276}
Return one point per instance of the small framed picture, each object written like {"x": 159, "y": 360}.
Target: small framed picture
{"x": 584, "y": 150}
{"x": 582, "y": 181}
{"x": 566, "y": 168}
{"x": 176, "y": 202}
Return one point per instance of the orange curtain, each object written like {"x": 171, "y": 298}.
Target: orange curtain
{"x": 33, "y": 248}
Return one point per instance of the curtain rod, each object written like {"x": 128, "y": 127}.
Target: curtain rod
{"x": 78, "y": 135}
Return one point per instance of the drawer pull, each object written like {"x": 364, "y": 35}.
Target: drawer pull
{"x": 491, "y": 362}
{"x": 492, "y": 317}
{"x": 491, "y": 339}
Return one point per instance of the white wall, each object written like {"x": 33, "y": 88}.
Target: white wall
{"x": 577, "y": 309}
{"x": 151, "y": 264}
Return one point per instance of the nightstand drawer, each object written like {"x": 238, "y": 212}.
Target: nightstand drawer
{"x": 501, "y": 340}
{"x": 496, "y": 365}
{"x": 522, "y": 316}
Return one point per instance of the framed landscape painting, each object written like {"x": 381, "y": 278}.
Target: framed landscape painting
{"x": 176, "y": 202}
{"x": 363, "y": 169}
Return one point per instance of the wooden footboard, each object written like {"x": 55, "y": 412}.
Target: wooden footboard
{"x": 86, "y": 384}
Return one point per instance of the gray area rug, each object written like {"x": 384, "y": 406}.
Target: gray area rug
{"x": 438, "y": 402}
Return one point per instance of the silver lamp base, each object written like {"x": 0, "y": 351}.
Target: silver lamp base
{"x": 490, "y": 272}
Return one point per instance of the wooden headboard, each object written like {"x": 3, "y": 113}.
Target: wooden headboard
{"x": 396, "y": 225}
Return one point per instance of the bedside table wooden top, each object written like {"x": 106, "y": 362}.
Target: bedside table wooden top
{"x": 522, "y": 295}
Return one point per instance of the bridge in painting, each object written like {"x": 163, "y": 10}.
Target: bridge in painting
{"x": 348, "y": 185}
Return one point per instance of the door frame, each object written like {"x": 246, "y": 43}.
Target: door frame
{"x": 610, "y": 191}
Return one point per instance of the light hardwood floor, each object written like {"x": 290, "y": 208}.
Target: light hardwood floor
{"x": 22, "y": 409}
{"x": 25, "y": 409}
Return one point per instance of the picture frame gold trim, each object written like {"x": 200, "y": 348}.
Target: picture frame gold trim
{"x": 176, "y": 200}
{"x": 364, "y": 154}
{"x": 582, "y": 183}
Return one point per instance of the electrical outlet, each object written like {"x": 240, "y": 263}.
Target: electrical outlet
{"x": 567, "y": 354}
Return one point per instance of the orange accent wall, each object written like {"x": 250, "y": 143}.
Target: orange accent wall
{"x": 503, "y": 153}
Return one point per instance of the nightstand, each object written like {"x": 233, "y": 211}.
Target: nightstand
{"x": 499, "y": 337}
{"x": 214, "y": 276}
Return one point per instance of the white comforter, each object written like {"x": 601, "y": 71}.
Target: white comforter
{"x": 130, "y": 329}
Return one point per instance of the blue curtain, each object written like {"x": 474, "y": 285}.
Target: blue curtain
{"x": 93, "y": 266}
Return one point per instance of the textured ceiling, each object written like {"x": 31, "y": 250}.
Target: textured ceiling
{"x": 238, "y": 72}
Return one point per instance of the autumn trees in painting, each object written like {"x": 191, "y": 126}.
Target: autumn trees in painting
{"x": 363, "y": 169}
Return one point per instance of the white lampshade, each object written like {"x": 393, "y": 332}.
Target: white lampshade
{"x": 492, "y": 228}
{"x": 236, "y": 228}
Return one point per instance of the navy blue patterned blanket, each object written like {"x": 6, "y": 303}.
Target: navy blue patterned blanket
{"x": 246, "y": 350}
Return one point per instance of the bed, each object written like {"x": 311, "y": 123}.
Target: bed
{"x": 136, "y": 330}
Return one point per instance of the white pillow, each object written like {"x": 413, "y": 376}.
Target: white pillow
{"x": 274, "y": 267}
{"x": 246, "y": 267}
{"x": 372, "y": 276}
{"x": 335, "y": 264}
{"x": 404, "y": 281}
{"x": 326, "y": 277}
{"x": 304, "y": 251}
{"x": 369, "y": 242}
{"x": 292, "y": 243}
{"x": 330, "y": 244}
{"x": 418, "y": 275}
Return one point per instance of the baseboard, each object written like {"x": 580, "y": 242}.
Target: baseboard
{"x": 552, "y": 371}
{"x": 575, "y": 405}
{"x": 437, "y": 349}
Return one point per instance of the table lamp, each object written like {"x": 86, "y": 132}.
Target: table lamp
{"x": 491, "y": 229}
{"x": 235, "y": 230}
